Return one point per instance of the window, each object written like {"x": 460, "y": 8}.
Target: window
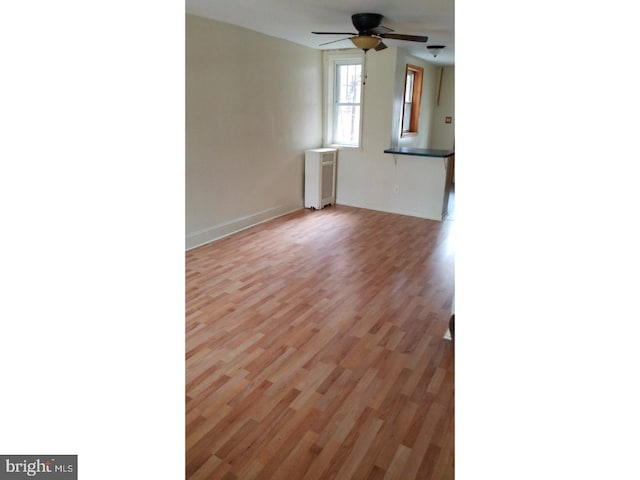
{"x": 344, "y": 98}
{"x": 412, "y": 95}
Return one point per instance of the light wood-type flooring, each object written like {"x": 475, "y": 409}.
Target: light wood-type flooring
{"x": 315, "y": 349}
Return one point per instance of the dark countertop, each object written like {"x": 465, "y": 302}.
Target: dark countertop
{"x": 420, "y": 152}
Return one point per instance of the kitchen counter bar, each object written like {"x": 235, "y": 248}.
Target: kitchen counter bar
{"x": 420, "y": 152}
{"x": 424, "y": 178}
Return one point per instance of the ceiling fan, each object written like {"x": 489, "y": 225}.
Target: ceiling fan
{"x": 370, "y": 33}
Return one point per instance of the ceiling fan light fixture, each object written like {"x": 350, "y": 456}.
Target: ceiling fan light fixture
{"x": 435, "y": 49}
{"x": 365, "y": 42}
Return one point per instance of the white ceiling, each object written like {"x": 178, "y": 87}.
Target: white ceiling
{"x": 294, "y": 20}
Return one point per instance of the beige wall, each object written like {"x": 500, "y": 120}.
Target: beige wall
{"x": 253, "y": 106}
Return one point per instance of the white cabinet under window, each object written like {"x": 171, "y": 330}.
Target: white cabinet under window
{"x": 320, "y": 177}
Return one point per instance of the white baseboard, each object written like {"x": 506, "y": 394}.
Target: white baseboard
{"x": 208, "y": 235}
{"x": 388, "y": 210}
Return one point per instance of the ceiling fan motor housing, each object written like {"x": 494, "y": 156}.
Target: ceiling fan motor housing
{"x": 366, "y": 21}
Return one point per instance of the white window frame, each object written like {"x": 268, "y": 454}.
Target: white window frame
{"x": 332, "y": 58}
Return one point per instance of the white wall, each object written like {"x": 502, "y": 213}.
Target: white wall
{"x": 253, "y": 106}
{"x": 368, "y": 177}
{"x": 442, "y": 134}
{"x": 364, "y": 174}
{"x": 429, "y": 85}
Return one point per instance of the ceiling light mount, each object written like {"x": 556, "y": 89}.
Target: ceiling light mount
{"x": 435, "y": 49}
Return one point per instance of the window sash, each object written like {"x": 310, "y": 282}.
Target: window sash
{"x": 412, "y": 97}
{"x": 346, "y": 125}
{"x": 346, "y": 111}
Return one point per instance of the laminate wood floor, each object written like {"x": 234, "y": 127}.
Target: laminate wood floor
{"x": 315, "y": 349}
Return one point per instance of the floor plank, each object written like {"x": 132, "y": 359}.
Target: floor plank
{"x": 315, "y": 349}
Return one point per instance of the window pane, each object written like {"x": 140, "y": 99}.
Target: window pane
{"x": 347, "y": 124}
{"x": 348, "y": 83}
{"x": 406, "y": 119}
{"x": 408, "y": 91}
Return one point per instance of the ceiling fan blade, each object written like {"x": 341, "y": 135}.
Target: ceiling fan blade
{"x": 334, "y": 33}
{"x": 334, "y": 41}
{"x": 400, "y": 36}
{"x": 380, "y": 29}
{"x": 381, "y": 46}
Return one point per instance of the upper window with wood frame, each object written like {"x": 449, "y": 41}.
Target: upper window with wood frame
{"x": 412, "y": 96}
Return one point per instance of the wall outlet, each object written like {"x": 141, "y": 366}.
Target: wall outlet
{"x": 396, "y": 189}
